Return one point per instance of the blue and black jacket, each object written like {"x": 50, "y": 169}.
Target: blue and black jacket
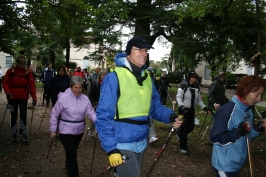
{"x": 122, "y": 135}
{"x": 229, "y": 148}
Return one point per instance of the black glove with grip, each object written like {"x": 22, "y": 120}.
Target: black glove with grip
{"x": 242, "y": 129}
{"x": 205, "y": 109}
{"x": 182, "y": 109}
{"x": 34, "y": 102}
{"x": 8, "y": 96}
{"x": 173, "y": 116}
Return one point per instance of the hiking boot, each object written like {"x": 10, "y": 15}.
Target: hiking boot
{"x": 14, "y": 138}
{"x": 23, "y": 138}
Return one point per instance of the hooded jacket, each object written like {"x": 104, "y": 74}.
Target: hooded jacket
{"x": 122, "y": 135}
{"x": 229, "y": 151}
{"x": 72, "y": 110}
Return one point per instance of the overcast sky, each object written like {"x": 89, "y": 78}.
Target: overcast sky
{"x": 160, "y": 51}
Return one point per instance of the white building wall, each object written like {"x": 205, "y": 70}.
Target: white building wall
{"x": 206, "y": 78}
{"x": 3, "y": 56}
{"x": 77, "y": 55}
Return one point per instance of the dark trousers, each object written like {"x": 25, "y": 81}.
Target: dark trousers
{"x": 70, "y": 144}
{"x": 22, "y": 105}
{"x": 1, "y": 85}
{"x": 227, "y": 174}
{"x": 186, "y": 127}
{"x": 163, "y": 97}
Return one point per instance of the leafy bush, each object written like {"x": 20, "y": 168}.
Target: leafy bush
{"x": 175, "y": 77}
{"x": 232, "y": 79}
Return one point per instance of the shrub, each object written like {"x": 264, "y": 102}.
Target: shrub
{"x": 232, "y": 79}
{"x": 175, "y": 77}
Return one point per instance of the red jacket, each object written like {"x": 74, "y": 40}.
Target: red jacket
{"x": 78, "y": 73}
{"x": 19, "y": 82}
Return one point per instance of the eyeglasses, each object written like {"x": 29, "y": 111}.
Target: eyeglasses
{"x": 141, "y": 50}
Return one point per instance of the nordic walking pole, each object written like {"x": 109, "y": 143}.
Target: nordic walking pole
{"x": 203, "y": 125}
{"x": 43, "y": 117}
{"x": 105, "y": 171}
{"x": 249, "y": 150}
{"x": 49, "y": 148}
{"x": 10, "y": 107}
{"x": 169, "y": 96}
{"x": 41, "y": 96}
{"x": 109, "y": 168}
{"x": 31, "y": 117}
{"x": 3, "y": 117}
{"x": 93, "y": 151}
{"x": 161, "y": 150}
{"x": 86, "y": 136}
{"x": 207, "y": 127}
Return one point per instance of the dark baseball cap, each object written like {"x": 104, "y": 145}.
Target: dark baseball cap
{"x": 139, "y": 42}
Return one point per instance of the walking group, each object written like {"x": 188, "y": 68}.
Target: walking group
{"x": 121, "y": 105}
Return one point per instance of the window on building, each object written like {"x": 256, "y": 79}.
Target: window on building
{"x": 207, "y": 73}
{"x": 9, "y": 61}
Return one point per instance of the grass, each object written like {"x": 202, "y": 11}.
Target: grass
{"x": 39, "y": 84}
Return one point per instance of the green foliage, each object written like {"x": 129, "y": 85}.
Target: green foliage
{"x": 175, "y": 77}
{"x": 232, "y": 79}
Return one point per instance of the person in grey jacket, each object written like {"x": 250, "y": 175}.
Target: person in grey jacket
{"x": 72, "y": 105}
{"x": 188, "y": 96}
{"x": 216, "y": 94}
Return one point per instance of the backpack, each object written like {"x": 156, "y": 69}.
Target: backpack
{"x": 13, "y": 73}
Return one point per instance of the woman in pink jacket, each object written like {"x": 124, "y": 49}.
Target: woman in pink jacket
{"x": 72, "y": 105}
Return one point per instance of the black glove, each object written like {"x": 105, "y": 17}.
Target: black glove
{"x": 182, "y": 109}
{"x": 205, "y": 109}
{"x": 173, "y": 116}
{"x": 8, "y": 96}
{"x": 259, "y": 127}
{"x": 243, "y": 128}
{"x": 34, "y": 102}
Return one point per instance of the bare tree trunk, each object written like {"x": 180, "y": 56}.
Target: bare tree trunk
{"x": 67, "y": 52}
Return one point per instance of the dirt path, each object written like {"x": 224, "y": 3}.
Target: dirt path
{"x": 20, "y": 160}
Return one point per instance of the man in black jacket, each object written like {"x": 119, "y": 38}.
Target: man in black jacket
{"x": 216, "y": 94}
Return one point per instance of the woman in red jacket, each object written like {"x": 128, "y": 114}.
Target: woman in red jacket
{"x": 17, "y": 84}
